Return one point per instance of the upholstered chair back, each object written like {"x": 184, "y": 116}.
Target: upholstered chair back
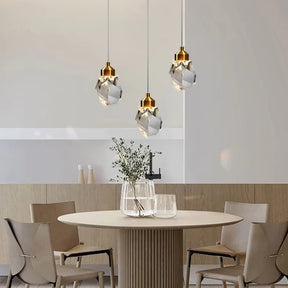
{"x": 30, "y": 252}
{"x": 264, "y": 242}
{"x": 235, "y": 237}
{"x": 64, "y": 237}
{"x": 282, "y": 257}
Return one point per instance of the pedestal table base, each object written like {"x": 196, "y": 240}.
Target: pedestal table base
{"x": 151, "y": 258}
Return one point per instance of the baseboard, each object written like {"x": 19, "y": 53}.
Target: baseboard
{"x": 4, "y": 270}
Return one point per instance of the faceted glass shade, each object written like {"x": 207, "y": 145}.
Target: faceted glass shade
{"x": 108, "y": 90}
{"x": 183, "y": 75}
{"x": 148, "y": 120}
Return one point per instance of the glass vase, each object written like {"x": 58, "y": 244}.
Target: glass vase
{"x": 138, "y": 199}
{"x": 165, "y": 206}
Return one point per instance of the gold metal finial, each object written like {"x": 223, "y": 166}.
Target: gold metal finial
{"x": 147, "y": 101}
{"x": 108, "y": 70}
{"x": 182, "y": 55}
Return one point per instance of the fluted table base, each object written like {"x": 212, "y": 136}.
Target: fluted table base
{"x": 151, "y": 258}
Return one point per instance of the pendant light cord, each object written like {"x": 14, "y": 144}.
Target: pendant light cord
{"x": 108, "y": 31}
{"x": 182, "y": 22}
{"x": 148, "y": 60}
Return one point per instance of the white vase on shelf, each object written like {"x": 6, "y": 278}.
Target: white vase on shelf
{"x": 81, "y": 179}
{"x": 90, "y": 179}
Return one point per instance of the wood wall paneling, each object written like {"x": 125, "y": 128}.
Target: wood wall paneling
{"x": 277, "y": 197}
{"x": 15, "y": 200}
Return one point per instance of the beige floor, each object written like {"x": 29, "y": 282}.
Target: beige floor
{"x": 94, "y": 284}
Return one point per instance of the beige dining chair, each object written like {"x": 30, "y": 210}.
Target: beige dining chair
{"x": 32, "y": 260}
{"x": 65, "y": 238}
{"x": 260, "y": 265}
{"x": 234, "y": 238}
{"x": 282, "y": 257}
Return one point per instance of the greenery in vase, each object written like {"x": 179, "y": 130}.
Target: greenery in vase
{"x": 132, "y": 163}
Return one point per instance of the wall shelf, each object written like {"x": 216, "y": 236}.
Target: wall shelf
{"x": 85, "y": 134}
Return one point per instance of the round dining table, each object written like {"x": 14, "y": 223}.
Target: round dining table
{"x": 150, "y": 248}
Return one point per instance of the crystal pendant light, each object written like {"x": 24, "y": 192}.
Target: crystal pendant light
{"x": 182, "y": 73}
{"x": 108, "y": 88}
{"x": 148, "y": 119}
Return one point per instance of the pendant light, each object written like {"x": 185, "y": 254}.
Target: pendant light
{"x": 148, "y": 119}
{"x": 108, "y": 89}
{"x": 182, "y": 73}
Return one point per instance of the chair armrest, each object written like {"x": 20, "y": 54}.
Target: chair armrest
{"x": 242, "y": 253}
{"x": 62, "y": 258}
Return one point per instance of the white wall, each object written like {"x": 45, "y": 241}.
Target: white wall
{"x": 236, "y": 119}
{"x": 236, "y": 116}
{"x": 55, "y": 161}
{"x": 51, "y": 53}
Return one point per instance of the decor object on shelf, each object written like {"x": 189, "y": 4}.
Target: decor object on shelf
{"x": 148, "y": 119}
{"x": 108, "y": 87}
{"x": 90, "y": 179}
{"x": 137, "y": 195}
{"x": 151, "y": 175}
{"x": 81, "y": 179}
{"x": 165, "y": 206}
{"x": 182, "y": 72}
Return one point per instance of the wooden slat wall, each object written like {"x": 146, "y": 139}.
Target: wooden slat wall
{"x": 15, "y": 200}
{"x": 277, "y": 196}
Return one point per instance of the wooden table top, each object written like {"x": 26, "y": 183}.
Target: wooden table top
{"x": 183, "y": 220}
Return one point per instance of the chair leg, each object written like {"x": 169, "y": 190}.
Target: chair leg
{"x": 237, "y": 260}
{"x": 62, "y": 263}
{"x": 221, "y": 263}
{"x": 241, "y": 282}
{"x": 62, "y": 259}
{"x": 236, "y": 285}
{"x": 78, "y": 262}
{"x": 188, "y": 262}
{"x": 9, "y": 280}
{"x": 111, "y": 265}
{"x": 101, "y": 279}
{"x": 59, "y": 282}
{"x": 78, "y": 265}
{"x": 199, "y": 279}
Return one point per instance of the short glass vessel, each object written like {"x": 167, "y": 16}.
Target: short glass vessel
{"x": 138, "y": 199}
{"x": 165, "y": 206}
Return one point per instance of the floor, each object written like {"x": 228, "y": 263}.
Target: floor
{"x": 94, "y": 284}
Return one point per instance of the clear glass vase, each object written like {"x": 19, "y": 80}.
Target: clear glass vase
{"x": 165, "y": 206}
{"x": 138, "y": 199}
